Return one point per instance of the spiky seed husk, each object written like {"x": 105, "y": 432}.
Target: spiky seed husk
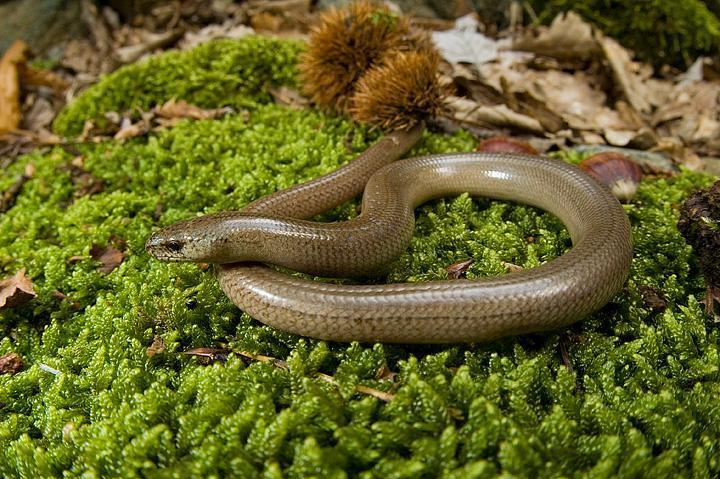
{"x": 344, "y": 45}
{"x": 401, "y": 91}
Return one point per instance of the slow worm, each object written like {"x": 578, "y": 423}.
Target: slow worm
{"x": 275, "y": 230}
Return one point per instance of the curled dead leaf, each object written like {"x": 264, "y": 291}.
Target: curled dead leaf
{"x": 567, "y": 37}
{"x": 207, "y": 356}
{"x": 157, "y": 347}
{"x": 11, "y": 363}
{"x": 288, "y": 97}
{"x": 16, "y": 290}
{"x": 128, "y": 129}
{"x": 10, "y": 113}
{"x": 182, "y": 109}
{"x": 459, "y": 269}
{"x": 31, "y": 76}
{"x": 653, "y": 298}
{"x": 109, "y": 257}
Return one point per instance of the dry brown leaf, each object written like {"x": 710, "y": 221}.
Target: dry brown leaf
{"x": 149, "y": 42}
{"x": 468, "y": 111}
{"x": 208, "y": 356}
{"x": 40, "y": 114}
{"x": 181, "y": 109}
{"x": 31, "y": 76}
{"x": 567, "y": 37}
{"x": 457, "y": 270}
{"x": 109, "y": 257}
{"x": 11, "y": 363}
{"x": 102, "y": 36}
{"x": 10, "y": 113}
{"x": 653, "y": 298}
{"x": 289, "y": 97}
{"x": 512, "y": 267}
{"x": 229, "y": 29}
{"x": 8, "y": 197}
{"x": 85, "y": 183}
{"x": 625, "y": 75}
{"x": 128, "y": 129}
{"x": 16, "y": 290}
{"x": 64, "y": 297}
{"x": 157, "y": 347}
{"x": 572, "y": 97}
{"x": 266, "y": 21}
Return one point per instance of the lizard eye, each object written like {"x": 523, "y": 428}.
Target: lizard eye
{"x": 174, "y": 246}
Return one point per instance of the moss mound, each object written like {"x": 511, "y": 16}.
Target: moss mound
{"x": 659, "y": 31}
{"x": 630, "y": 391}
{"x": 220, "y": 73}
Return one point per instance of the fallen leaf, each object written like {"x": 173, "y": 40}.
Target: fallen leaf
{"x": 101, "y": 34}
{"x": 266, "y": 21}
{"x": 567, "y": 37}
{"x": 385, "y": 373}
{"x": 128, "y": 129}
{"x": 208, "y": 356}
{"x": 625, "y": 76}
{"x": 8, "y": 197}
{"x": 512, "y": 267}
{"x": 86, "y": 184}
{"x": 82, "y": 57}
{"x": 571, "y": 96}
{"x": 459, "y": 269}
{"x": 464, "y": 44}
{"x": 39, "y": 115}
{"x": 64, "y": 297}
{"x": 157, "y": 347}
{"x": 468, "y": 111}
{"x": 10, "y": 363}
{"x": 10, "y": 113}
{"x": 653, "y": 299}
{"x": 289, "y": 97}
{"x": 149, "y": 42}
{"x": 109, "y": 257}
{"x": 16, "y": 290}
{"x": 32, "y": 76}
{"x": 182, "y": 109}
{"x": 229, "y": 29}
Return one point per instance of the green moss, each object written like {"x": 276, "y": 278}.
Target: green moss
{"x": 659, "y": 31}
{"x": 219, "y": 73}
{"x": 628, "y": 392}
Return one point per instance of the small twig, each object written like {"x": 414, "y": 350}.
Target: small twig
{"x": 455, "y": 413}
{"x": 7, "y": 200}
{"x": 279, "y": 363}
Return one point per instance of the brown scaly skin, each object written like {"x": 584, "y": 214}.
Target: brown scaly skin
{"x": 550, "y": 296}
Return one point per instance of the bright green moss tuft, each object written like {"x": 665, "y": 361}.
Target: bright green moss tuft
{"x": 218, "y": 73}
{"x": 628, "y": 392}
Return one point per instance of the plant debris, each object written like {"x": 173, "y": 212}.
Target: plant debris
{"x": 173, "y": 109}
{"x": 459, "y": 269}
{"x": 110, "y": 257}
{"x": 11, "y": 363}
{"x": 10, "y": 114}
{"x": 16, "y": 290}
{"x": 7, "y": 199}
{"x": 157, "y": 347}
{"x": 207, "y": 356}
{"x": 700, "y": 225}
{"x": 653, "y": 298}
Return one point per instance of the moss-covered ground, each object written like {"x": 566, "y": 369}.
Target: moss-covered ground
{"x": 630, "y": 392}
